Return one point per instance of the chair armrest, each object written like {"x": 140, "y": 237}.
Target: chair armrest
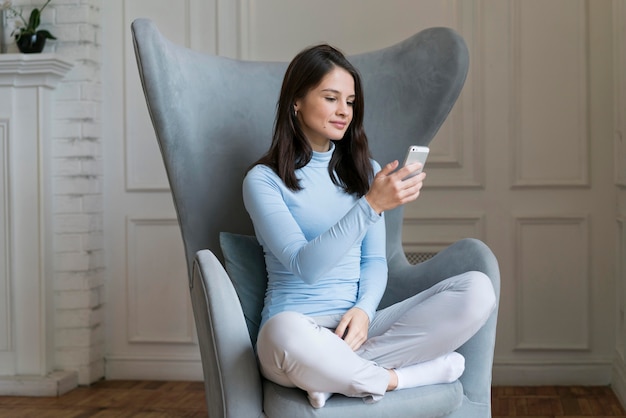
{"x": 231, "y": 377}
{"x": 465, "y": 255}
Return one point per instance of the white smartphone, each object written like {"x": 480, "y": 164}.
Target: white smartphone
{"x": 415, "y": 154}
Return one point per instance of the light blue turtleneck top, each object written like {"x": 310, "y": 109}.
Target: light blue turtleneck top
{"x": 324, "y": 249}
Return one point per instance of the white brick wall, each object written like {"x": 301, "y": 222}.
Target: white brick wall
{"x": 77, "y": 187}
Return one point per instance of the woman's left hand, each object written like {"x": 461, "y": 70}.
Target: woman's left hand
{"x": 353, "y": 328}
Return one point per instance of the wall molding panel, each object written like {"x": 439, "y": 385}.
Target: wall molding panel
{"x": 156, "y": 277}
{"x": 456, "y": 158}
{"x": 548, "y": 128}
{"x": 186, "y": 25}
{"x": 6, "y": 343}
{"x": 552, "y": 282}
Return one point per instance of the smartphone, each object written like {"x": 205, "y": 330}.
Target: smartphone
{"x": 415, "y": 154}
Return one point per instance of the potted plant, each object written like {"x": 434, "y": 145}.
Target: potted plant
{"x": 27, "y": 36}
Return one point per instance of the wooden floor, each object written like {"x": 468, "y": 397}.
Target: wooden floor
{"x": 150, "y": 399}
{"x": 115, "y": 399}
{"x": 555, "y": 401}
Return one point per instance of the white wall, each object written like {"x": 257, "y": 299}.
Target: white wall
{"x": 619, "y": 130}
{"x": 485, "y": 178}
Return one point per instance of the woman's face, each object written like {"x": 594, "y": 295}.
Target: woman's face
{"x": 325, "y": 112}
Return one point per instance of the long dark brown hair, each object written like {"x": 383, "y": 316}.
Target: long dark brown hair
{"x": 350, "y": 166}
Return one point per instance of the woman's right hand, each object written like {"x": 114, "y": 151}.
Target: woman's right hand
{"x": 389, "y": 190}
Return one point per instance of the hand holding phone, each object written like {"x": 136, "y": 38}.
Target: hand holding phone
{"x": 415, "y": 154}
{"x": 382, "y": 196}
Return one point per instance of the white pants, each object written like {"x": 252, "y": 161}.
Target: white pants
{"x": 295, "y": 350}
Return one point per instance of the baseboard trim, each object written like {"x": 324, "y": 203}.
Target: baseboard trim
{"x": 134, "y": 368}
{"x": 552, "y": 374}
{"x": 55, "y": 384}
{"x": 618, "y": 379}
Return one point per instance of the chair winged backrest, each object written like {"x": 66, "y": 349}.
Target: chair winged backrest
{"x": 213, "y": 117}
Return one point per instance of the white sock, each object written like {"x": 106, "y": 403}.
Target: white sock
{"x": 318, "y": 399}
{"x": 444, "y": 369}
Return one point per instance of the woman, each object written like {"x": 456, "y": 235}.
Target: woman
{"x": 317, "y": 202}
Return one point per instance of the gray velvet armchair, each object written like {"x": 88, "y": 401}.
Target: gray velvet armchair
{"x": 213, "y": 117}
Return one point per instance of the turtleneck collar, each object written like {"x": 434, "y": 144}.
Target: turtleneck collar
{"x": 321, "y": 159}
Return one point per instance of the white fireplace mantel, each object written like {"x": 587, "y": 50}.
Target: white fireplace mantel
{"x": 27, "y": 84}
{"x": 23, "y": 70}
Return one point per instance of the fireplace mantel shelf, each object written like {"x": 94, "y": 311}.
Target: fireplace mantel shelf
{"x": 24, "y": 70}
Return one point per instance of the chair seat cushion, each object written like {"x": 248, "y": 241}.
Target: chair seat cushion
{"x": 423, "y": 402}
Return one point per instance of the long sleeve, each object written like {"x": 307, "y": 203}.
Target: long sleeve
{"x": 324, "y": 248}
{"x": 283, "y": 236}
{"x": 373, "y": 281}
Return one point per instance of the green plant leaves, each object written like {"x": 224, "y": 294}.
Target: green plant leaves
{"x": 30, "y": 28}
{"x": 34, "y": 20}
{"x": 45, "y": 33}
